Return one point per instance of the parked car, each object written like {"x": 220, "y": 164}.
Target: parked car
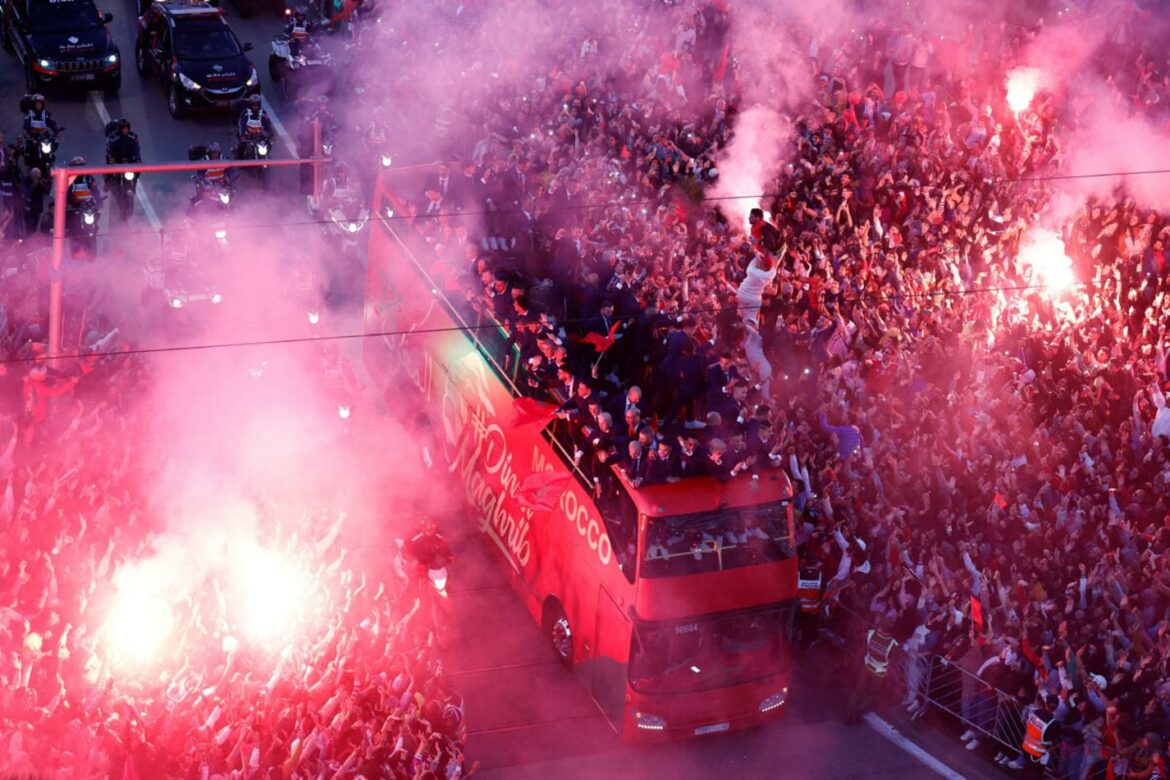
{"x": 61, "y": 42}
{"x": 190, "y": 47}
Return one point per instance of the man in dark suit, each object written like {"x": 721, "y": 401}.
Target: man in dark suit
{"x": 722, "y": 378}
{"x": 663, "y": 465}
{"x": 763, "y": 445}
{"x": 631, "y": 400}
{"x": 691, "y": 456}
{"x": 465, "y": 191}
{"x": 637, "y": 465}
{"x": 719, "y": 463}
{"x": 440, "y": 183}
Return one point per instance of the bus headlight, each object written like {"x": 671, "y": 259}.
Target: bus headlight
{"x": 648, "y": 722}
{"x": 774, "y": 701}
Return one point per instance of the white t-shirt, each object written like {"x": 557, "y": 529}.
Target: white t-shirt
{"x": 757, "y": 279}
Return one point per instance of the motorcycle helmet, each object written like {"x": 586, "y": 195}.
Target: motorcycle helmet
{"x": 254, "y": 102}
{"x": 78, "y": 160}
{"x": 38, "y": 101}
{"x": 124, "y": 124}
{"x": 213, "y": 150}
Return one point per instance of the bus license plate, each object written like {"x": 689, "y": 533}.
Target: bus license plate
{"x": 713, "y": 729}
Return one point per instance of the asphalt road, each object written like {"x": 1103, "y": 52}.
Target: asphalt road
{"x": 163, "y": 139}
{"x": 529, "y": 718}
{"x": 275, "y": 223}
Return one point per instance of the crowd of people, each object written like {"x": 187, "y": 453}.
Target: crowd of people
{"x": 980, "y": 459}
{"x": 363, "y": 696}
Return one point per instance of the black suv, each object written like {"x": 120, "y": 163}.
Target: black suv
{"x": 61, "y": 42}
{"x": 189, "y": 46}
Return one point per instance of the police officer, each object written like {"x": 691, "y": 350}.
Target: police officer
{"x": 339, "y": 189}
{"x": 1040, "y": 734}
{"x": 810, "y": 584}
{"x": 253, "y": 122}
{"x": 81, "y": 188}
{"x": 122, "y": 146}
{"x": 427, "y": 550}
{"x": 879, "y": 647}
{"x": 38, "y": 120}
{"x": 209, "y": 179}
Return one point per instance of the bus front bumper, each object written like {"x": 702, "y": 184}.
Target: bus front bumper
{"x": 665, "y": 717}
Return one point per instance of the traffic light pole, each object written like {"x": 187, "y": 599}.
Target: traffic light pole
{"x": 62, "y": 177}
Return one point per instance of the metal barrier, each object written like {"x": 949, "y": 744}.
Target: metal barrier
{"x": 944, "y": 687}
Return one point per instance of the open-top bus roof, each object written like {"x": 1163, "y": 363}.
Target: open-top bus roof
{"x": 705, "y": 494}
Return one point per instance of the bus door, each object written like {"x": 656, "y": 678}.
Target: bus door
{"x": 607, "y": 680}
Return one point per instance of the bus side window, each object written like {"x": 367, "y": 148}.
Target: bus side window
{"x": 621, "y": 521}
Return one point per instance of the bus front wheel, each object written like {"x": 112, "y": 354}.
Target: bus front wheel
{"x": 559, "y": 631}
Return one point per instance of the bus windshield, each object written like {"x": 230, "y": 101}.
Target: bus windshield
{"x": 716, "y": 541}
{"x": 710, "y": 652}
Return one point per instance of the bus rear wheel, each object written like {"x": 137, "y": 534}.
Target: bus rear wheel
{"x": 560, "y": 632}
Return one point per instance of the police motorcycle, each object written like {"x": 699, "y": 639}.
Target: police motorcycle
{"x": 39, "y": 141}
{"x": 121, "y": 186}
{"x": 254, "y": 136}
{"x": 344, "y": 211}
{"x": 208, "y": 211}
{"x": 176, "y": 281}
{"x": 298, "y": 66}
{"x": 82, "y": 213}
{"x": 339, "y": 388}
{"x": 218, "y": 183}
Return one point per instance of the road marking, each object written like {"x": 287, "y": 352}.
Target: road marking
{"x": 279, "y": 127}
{"x": 139, "y": 192}
{"x": 883, "y": 727}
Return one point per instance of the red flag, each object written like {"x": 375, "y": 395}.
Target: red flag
{"x": 721, "y": 68}
{"x": 599, "y": 342}
{"x": 977, "y": 613}
{"x": 1000, "y": 501}
{"x": 542, "y": 490}
{"x": 526, "y": 411}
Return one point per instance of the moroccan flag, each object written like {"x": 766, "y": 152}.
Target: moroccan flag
{"x": 542, "y": 490}
{"x": 721, "y": 68}
{"x": 599, "y": 342}
{"x": 526, "y": 411}
{"x": 977, "y": 613}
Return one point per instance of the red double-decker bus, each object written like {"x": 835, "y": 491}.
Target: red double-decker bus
{"x": 674, "y": 603}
